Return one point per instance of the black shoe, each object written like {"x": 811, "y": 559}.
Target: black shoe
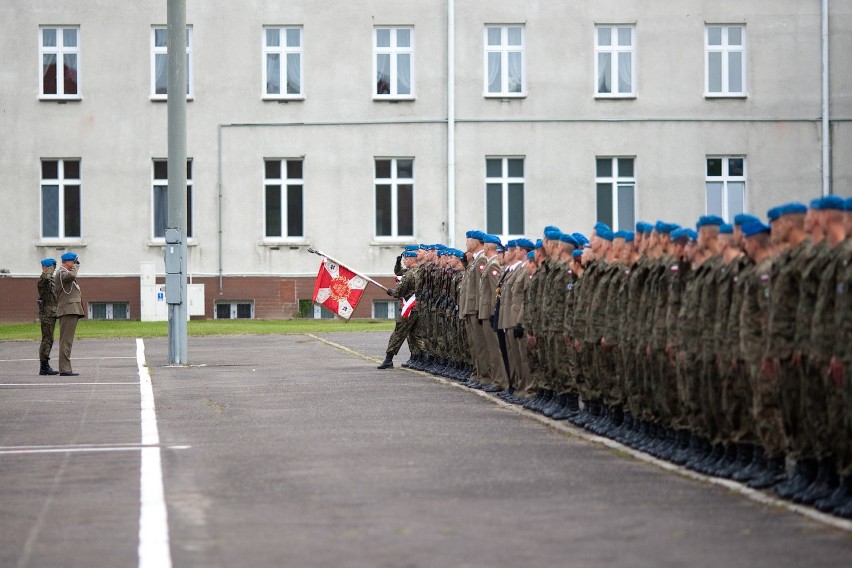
{"x": 805, "y": 474}
{"x": 824, "y": 485}
{"x": 754, "y": 468}
{"x": 772, "y": 475}
{"x": 70, "y": 374}
{"x": 387, "y": 363}
{"x": 840, "y": 497}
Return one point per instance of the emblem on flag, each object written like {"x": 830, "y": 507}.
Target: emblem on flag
{"x": 338, "y": 288}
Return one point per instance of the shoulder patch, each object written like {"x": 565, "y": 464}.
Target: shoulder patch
{"x": 674, "y": 268}
{"x": 493, "y": 272}
{"x": 481, "y": 267}
{"x": 764, "y": 278}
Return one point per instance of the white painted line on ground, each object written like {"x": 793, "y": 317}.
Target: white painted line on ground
{"x": 153, "y": 517}
{"x": 79, "y": 448}
{"x": 60, "y": 384}
{"x": 75, "y": 358}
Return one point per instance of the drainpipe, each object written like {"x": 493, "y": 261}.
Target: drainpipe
{"x": 451, "y": 123}
{"x": 826, "y": 125}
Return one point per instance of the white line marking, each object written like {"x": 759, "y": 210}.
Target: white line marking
{"x": 153, "y": 517}
{"x": 75, "y": 358}
{"x": 59, "y": 384}
{"x": 26, "y": 450}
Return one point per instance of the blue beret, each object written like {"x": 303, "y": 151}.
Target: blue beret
{"x": 511, "y": 243}
{"x": 69, "y": 256}
{"x": 620, "y": 235}
{"x": 644, "y": 227}
{"x": 478, "y": 235}
{"x": 743, "y": 218}
{"x": 786, "y": 209}
{"x": 412, "y": 247}
{"x": 525, "y": 243}
{"x": 754, "y": 227}
{"x": 847, "y": 205}
{"x": 601, "y": 226}
{"x": 538, "y": 244}
{"x": 834, "y": 202}
{"x": 604, "y": 232}
{"x": 726, "y": 229}
{"x": 691, "y": 234}
{"x": 531, "y": 255}
{"x": 552, "y": 233}
{"x": 629, "y": 236}
{"x": 48, "y": 262}
{"x": 441, "y": 246}
{"x": 566, "y": 238}
{"x": 709, "y": 221}
{"x": 678, "y": 234}
{"x": 577, "y": 253}
{"x": 492, "y": 239}
{"x": 409, "y": 254}
{"x": 663, "y": 227}
{"x": 580, "y": 238}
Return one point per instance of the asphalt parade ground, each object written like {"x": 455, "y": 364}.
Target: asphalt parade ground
{"x": 296, "y": 451}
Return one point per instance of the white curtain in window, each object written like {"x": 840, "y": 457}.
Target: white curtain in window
{"x": 515, "y": 72}
{"x": 403, "y": 74}
{"x": 382, "y": 74}
{"x": 494, "y": 85}
{"x": 604, "y": 62}
{"x": 160, "y": 76}
{"x": 625, "y": 72}
{"x": 273, "y": 74}
{"x": 294, "y": 74}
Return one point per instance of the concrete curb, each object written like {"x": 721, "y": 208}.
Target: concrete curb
{"x": 569, "y": 429}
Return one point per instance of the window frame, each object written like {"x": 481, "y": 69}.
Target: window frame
{"x": 504, "y": 180}
{"x": 155, "y": 50}
{"x": 234, "y": 308}
{"x": 614, "y": 50}
{"x": 189, "y": 200}
{"x": 615, "y": 180}
{"x": 59, "y": 51}
{"x": 392, "y": 309}
{"x": 283, "y": 183}
{"x": 395, "y": 181}
{"x": 282, "y": 50}
{"x": 725, "y": 179}
{"x": 109, "y": 309}
{"x": 393, "y": 51}
{"x": 504, "y": 49}
{"x": 725, "y": 49}
{"x": 61, "y": 182}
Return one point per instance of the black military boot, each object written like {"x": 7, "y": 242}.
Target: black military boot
{"x": 754, "y": 468}
{"x": 823, "y": 486}
{"x": 45, "y": 368}
{"x": 571, "y": 407}
{"x": 804, "y": 475}
{"x": 387, "y": 363}
{"x": 772, "y": 475}
{"x": 407, "y": 364}
{"x": 729, "y": 463}
{"x": 841, "y": 495}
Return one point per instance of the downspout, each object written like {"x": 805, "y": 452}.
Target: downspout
{"x": 451, "y": 124}
{"x": 219, "y": 186}
{"x": 826, "y": 124}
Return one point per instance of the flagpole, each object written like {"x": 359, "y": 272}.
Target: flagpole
{"x": 367, "y": 278}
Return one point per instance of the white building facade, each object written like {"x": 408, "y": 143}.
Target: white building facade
{"x": 364, "y": 126}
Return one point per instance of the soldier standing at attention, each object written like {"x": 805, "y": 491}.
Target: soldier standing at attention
{"x": 46, "y": 314}
{"x": 69, "y": 309}
{"x": 403, "y": 326}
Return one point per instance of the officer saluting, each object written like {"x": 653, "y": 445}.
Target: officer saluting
{"x": 69, "y": 309}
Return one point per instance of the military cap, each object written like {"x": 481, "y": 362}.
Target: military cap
{"x": 525, "y": 243}
{"x": 620, "y": 235}
{"x": 678, "y": 234}
{"x": 580, "y": 238}
{"x": 412, "y": 247}
{"x": 726, "y": 229}
{"x": 48, "y": 262}
{"x": 511, "y": 243}
{"x": 742, "y": 218}
{"x": 709, "y": 221}
{"x": 691, "y": 235}
{"x": 552, "y": 233}
{"x": 538, "y": 244}
{"x": 492, "y": 239}
{"x": 577, "y": 253}
{"x": 754, "y": 227}
{"x": 827, "y": 202}
{"x": 663, "y": 227}
{"x": 629, "y": 236}
{"x": 847, "y": 205}
{"x": 409, "y": 254}
{"x": 604, "y": 232}
{"x": 457, "y": 253}
{"x": 566, "y": 238}
{"x": 787, "y": 209}
{"x": 69, "y": 256}
{"x": 644, "y": 227}
{"x": 531, "y": 255}
{"x": 478, "y": 235}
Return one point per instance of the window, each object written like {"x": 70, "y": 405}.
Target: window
{"x": 616, "y": 192}
{"x": 235, "y": 310}
{"x": 504, "y": 196}
{"x": 725, "y": 61}
{"x": 284, "y": 189}
{"x": 394, "y": 50}
{"x": 160, "y": 63}
{"x": 394, "y": 197}
{"x": 282, "y": 62}
{"x": 60, "y": 62}
{"x": 383, "y": 309}
{"x": 726, "y": 186}
{"x": 109, "y": 310}
{"x": 161, "y": 198}
{"x": 614, "y": 67}
{"x": 60, "y": 199}
{"x": 504, "y": 61}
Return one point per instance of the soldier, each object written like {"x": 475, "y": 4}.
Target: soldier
{"x": 69, "y": 309}
{"x": 46, "y": 314}
{"x": 469, "y": 308}
{"x": 503, "y": 313}
{"x": 517, "y": 338}
{"x": 404, "y": 325}
{"x": 487, "y": 298}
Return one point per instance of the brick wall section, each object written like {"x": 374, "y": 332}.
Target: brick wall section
{"x": 274, "y": 297}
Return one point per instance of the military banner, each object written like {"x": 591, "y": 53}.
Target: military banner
{"x": 338, "y": 288}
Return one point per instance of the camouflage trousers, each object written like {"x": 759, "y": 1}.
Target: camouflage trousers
{"x": 737, "y": 402}
{"x": 767, "y": 413}
{"x": 405, "y": 328}
{"x": 48, "y": 325}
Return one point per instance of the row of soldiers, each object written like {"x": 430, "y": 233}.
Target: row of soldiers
{"x": 725, "y": 349}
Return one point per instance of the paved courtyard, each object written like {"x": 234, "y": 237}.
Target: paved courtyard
{"x": 295, "y": 451}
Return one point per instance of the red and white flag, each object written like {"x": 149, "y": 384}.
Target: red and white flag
{"x": 408, "y": 304}
{"x": 338, "y": 288}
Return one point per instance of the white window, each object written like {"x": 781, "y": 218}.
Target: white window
{"x": 160, "y": 63}
{"x": 614, "y": 69}
{"x": 504, "y": 61}
{"x": 726, "y": 186}
{"x": 725, "y": 61}
{"x": 321, "y": 312}
{"x": 160, "y": 197}
{"x": 615, "y": 183}
{"x": 283, "y": 198}
{"x": 60, "y": 199}
{"x": 504, "y": 196}
{"x": 393, "y": 63}
{"x": 60, "y": 62}
{"x": 394, "y": 183}
{"x": 383, "y": 309}
{"x": 282, "y": 63}
{"x": 109, "y": 310}
{"x": 234, "y": 310}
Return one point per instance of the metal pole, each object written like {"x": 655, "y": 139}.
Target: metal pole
{"x": 176, "y": 98}
{"x": 451, "y": 123}
{"x": 826, "y": 108}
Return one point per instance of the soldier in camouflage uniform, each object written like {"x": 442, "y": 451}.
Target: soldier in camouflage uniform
{"x": 46, "y": 314}
{"x": 404, "y": 328}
